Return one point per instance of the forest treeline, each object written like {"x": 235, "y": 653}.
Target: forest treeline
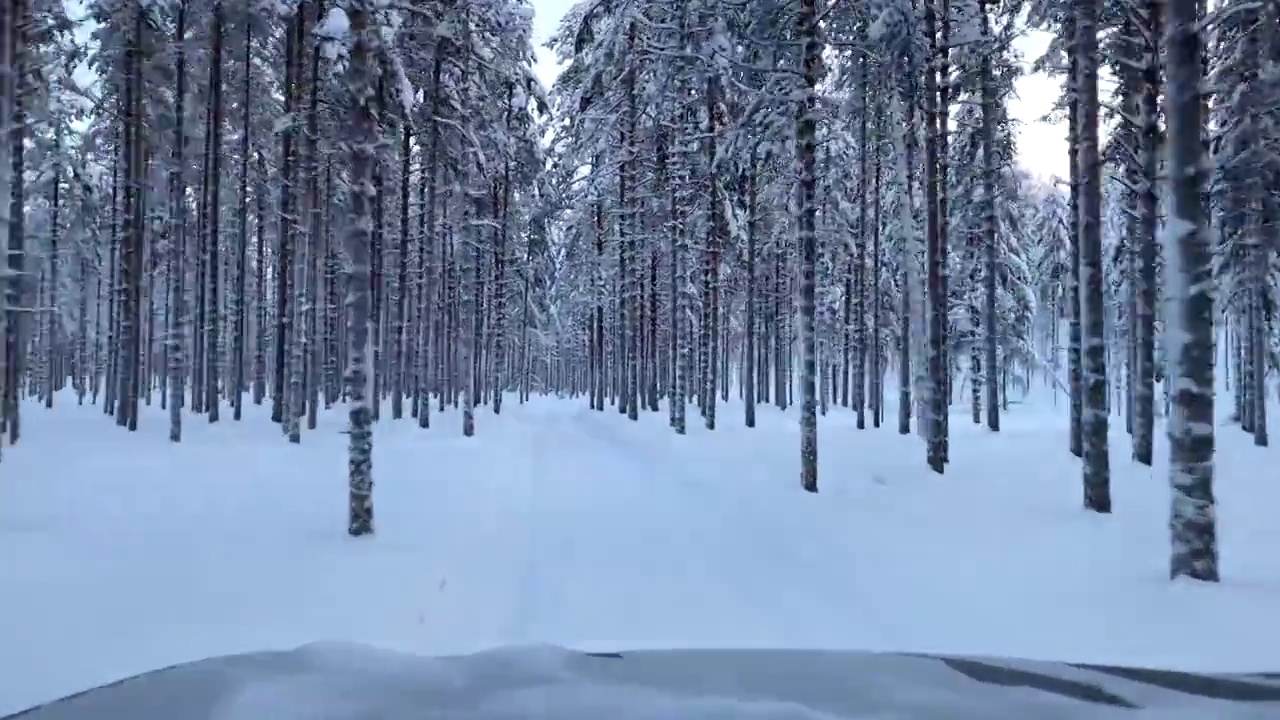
{"x": 376, "y": 203}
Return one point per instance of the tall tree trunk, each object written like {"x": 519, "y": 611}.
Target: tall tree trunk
{"x": 286, "y": 240}
{"x": 629, "y": 229}
{"x": 469, "y": 292}
{"x": 680, "y": 340}
{"x": 8, "y": 50}
{"x": 806, "y": 141}
{"x": 877, "y": 373}
{"x": 905, "y": 154}
{"x": 990, "y": 178}
{"x": 1191, "y": 432}
{"x": 242, "y": 242}
{"x": 300, "y": 260}
{"x": 178, "y": 232}
{"x": 1097, "y": 471}
{"x": 52, "y": 321}
{"x": 213, "y": 338}
{"x": 318, "y": 243}
{"x": 934, "y": 405}
{"x": 944, "y": 227}
{"x": 15, "y": 348}
{"x": 498, "y": 372}
{"x": 716, "y": 241}
{"x": 1073, "y": 291}
{"x": 429, "y": 310}
{"x": 1148, "y": 210}
{"x": 860, "y": 255}
{"x": 749, "y": 329}
{"x": 361, "y": 65}
{"x": 398, "y": 353}
{"x": 260, "y": 284}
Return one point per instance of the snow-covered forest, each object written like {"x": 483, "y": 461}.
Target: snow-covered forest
{"x": 374, "y": 205}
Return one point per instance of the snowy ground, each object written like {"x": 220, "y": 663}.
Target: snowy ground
{"x": 122, "y": 553}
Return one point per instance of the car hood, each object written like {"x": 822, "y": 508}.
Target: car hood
{"x": 328, "y": 681}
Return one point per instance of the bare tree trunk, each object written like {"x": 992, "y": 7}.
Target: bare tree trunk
{"x": 905, "y": 160}
{"x": 317, "y": 244}
{"x": 716, "y": 241}
{"x": 990, "y": 178}
{"x": 934, "y": 405}
{"x": 14, "y": 340}
{"x": 179, "y": 322}
{"x": 213, "y": 339}
{"x": 287, "y": 239}
{"x": 300, "y": 297}
{"x": 1073, "y": 292}
{"x": 364, "y": 141}
{"x": 1191, "y": 432}
{"x": 398, "y": 352}
{"x": 806, "y": 127}
{"x": 8, "y": 51}
{"x": 431, "y": 343}
{"x": 1097, "y": 480}
{"x": 260, "y": 285}
{"x": 51, "y": 322}
{"x": 242, "y": 244}
{"x": 749, "y": 353}
{"x": 1148, "y": 207}
{"x": 877, "y": 373}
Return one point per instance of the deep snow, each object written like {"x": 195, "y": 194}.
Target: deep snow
{"x": 122, "y": 553}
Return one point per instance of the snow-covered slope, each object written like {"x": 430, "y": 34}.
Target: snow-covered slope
{"x": 121, "y": 553}
{"x": 346, "y": 682}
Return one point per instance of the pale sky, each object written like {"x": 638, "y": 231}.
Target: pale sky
{"x": 1042, "y": 147}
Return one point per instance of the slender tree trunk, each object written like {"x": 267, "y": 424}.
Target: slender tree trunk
{"x": 178, "y": 234}
{"x": 877, "y": 373}
{"x": 429, "y": 310}
{"x": 8, "y": 50}
{"x": 1191, "y": 431}
{"x": 301, "y": 295}
{"x": 1097, "y": 480}
{"x": 15, "y": 348}
{"x": 749, "y": 353}
{"x": 1148, "y": 207}
{"x": 1073, "y": 292}
{"x": 905, "y": 161}
{"x": 287, "y": 238}
{"x": 52, "y": 321}
{"x": 716, "y": 241}
{"x": 260, "y": 285}
{"x": 806, "y": 132}
{"x": 934, "y": 405}
{"x": 990, "y": 178}
{"x": 318, "y": 244}
{"x": 242, "y": 244}
{"x": 398, "y": 352}
{"x": 364, "y": 141}
{"x": 213, "y": 335}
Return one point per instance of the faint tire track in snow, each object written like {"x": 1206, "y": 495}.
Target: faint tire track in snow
{"x": 807, "y": 537}
{"x": 729, "y": 510}
{"x": 454, "y": 510}
{"x": 535, "y": 432}
{"x": 756, "y": 557}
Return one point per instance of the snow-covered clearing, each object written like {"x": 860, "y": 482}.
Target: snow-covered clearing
{"x": 121, "y": 553}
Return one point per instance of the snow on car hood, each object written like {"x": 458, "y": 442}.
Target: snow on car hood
{"x": 329, "y": 681}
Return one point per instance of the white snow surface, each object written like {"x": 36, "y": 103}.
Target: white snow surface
{"x": 335, "y": 26}
{"x": 335, "y": 33}
{"x": 556, "y": 525}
